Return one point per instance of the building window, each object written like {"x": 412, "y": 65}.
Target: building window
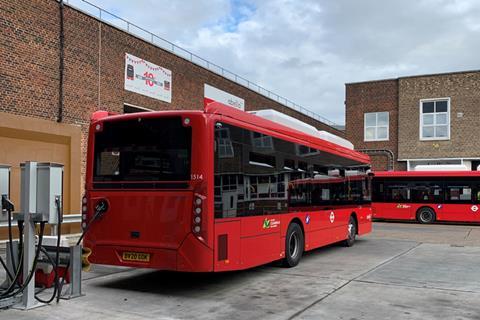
{"x": 376, "y": 126}
{"x": 435, "y": 119}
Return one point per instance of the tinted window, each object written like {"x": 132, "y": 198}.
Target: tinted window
{"x": 256, "y": 176}
{"x": 153, "y": 149}
{"x": 397, "y": 191}
{"x": 427, "y": 191}
{"x": 459, "y": 191}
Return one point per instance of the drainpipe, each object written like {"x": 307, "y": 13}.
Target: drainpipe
{"x": 61, "y": 66}
{"x": 385, "y": 152}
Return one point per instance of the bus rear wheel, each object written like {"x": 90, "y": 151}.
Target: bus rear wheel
{"x": 294, "y": 245}
{"x": 352, "y": 232}
{"x": 425, "y": 215}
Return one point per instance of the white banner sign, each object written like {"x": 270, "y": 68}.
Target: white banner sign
{"x": 146, "y": 78}
{"x": 214, "y": 94}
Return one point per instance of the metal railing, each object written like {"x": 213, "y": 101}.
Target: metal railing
{"x": 137, "y": 31}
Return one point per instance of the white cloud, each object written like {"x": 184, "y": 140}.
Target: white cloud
{"x": 306, "y": 50}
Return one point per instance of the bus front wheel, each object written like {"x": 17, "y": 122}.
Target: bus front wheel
{"x": 294, "y": 245}
{"x": 425, "y": 215}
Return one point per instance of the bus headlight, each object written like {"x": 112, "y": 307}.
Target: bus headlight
{"x": 197, "y": 219}
{"x": 198, "y": 210}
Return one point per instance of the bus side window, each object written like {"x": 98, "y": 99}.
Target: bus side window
{"x": 459, "y": 191}
{"x": 476, "y": 190}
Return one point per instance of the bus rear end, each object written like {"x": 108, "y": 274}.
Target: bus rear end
{"x": 146, "y": 196}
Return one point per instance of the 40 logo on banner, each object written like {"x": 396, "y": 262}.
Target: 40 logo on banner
{"x": 148, "y": 79}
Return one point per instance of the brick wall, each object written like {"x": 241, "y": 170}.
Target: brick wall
{"x": 374, "y": 96}
{"x": 94, "y": 68}
{"x": 463, "y": 89}
{"x": 29, "y": 62}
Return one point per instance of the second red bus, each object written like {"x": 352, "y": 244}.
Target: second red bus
{"x": 427, "y": 196}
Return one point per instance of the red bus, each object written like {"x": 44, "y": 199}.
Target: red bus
{"x": 207, "y": 191}
{"x": 427, "y": 196}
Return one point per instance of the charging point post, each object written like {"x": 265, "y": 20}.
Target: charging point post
{"x": 41, "y": 194}
{"x": 29, "y": 209}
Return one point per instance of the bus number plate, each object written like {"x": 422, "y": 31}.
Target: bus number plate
{"x": 136, "y": 256}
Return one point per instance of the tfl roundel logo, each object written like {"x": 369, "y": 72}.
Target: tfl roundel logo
{"x": 332, "y": 217}
{"x": 474, "y": 208}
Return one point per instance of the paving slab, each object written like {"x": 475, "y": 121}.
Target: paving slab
{"x": 446, "y": 233}
{"x": 448, "y": 267}
{"x": 359, "y": 301}
{"x": 340, "y": 262}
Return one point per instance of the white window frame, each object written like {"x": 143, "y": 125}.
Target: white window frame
{"x": 376, "y": 126}
{"x": 420, "y": 131}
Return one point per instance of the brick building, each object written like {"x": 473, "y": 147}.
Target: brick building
{"x": 60, "y": 64}
{"x": 417, "y": 120}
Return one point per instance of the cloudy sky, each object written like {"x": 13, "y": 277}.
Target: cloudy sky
{"x": 307, "y": 50}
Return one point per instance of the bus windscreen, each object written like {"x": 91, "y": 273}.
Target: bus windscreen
{"x": 143, "y": 149}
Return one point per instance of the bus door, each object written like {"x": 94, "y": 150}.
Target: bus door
{"x": 398, "y": 195}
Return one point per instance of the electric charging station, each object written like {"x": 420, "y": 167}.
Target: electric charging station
{"x": 41, "y": 202}
{"x": 42, "y": 190}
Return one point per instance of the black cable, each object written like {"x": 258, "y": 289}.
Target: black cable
{"x": 55, "y": 288}
{"x": 10, "y": 236}
{"x": 34, "y": 266}
{"x": 32, "y": 271}
{"x": 6, "y": 269}
{"x": 59, "y": 235}
{"x": 98, "y": 212}
{"x": 57, "y": 255}
{"x": 16, "y": 278}
{"x": 20, "y": 225}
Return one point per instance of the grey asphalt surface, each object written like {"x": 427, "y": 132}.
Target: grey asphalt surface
{"x": 400, "y": 271}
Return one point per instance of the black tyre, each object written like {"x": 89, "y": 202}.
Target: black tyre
{"x": 352, "y": 232}
{"x": 426, "y": 215}
{"x": 294, "y": 245}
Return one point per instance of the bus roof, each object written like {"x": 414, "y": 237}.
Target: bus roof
{"x": 230, "y": 112}
{"x": 221, "y": 109}
{"x": 413, "y": 174}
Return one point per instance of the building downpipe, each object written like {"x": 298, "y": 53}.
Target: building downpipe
{"x": 385, "y": 152}
{"x": 61, "y": 66}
